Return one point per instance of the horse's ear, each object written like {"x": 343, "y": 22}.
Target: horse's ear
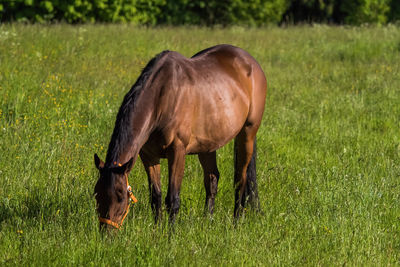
{"x": 128, "y": 166}
{"x": 121, "y": 169}
{"x": 98, "y": 162}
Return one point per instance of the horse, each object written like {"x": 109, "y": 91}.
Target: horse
{"x": 180, "y": 106}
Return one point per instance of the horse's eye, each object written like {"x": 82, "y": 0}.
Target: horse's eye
{"x": 120, "y": 195}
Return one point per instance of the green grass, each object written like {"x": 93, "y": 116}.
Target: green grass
{"x": 328, "y": 149}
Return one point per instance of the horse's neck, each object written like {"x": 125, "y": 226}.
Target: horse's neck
{"x": 141, "y": 127}
{"x": 139, "y": 137}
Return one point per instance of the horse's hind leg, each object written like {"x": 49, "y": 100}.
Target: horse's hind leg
{"x": 211, "y": 176}
{"x": 152, "y": 168}
{"x": 244, "y": 142}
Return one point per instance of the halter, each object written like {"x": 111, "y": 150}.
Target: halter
{"x": 132, "y": 200}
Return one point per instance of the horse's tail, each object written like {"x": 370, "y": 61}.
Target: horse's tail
{"x": 251, "y": 191}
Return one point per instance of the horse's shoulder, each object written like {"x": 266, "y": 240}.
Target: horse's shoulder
{"x": 175, "y": 63}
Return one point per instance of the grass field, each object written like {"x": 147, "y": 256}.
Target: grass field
{"x": 328, "y": 149}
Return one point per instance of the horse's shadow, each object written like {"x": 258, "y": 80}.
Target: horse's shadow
{"x": 41, "y": 208}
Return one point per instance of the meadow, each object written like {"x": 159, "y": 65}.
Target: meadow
{"x": 328, "y": 149}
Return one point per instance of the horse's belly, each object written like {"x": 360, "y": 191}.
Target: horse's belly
{"x": 200, "y": 144}
{"x": 215, "y": 130}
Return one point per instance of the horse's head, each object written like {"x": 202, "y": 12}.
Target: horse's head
{"x": 112, "y": 192}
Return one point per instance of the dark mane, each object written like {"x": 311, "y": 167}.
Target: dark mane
{"x": 122, "y": 133}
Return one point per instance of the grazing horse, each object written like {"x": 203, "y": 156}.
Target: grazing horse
{"x": 181, "y": 106}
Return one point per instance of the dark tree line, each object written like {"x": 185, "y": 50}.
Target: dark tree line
{"x": 202, "y": 12}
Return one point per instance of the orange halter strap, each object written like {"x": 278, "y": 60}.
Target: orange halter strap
{"x": 132, "y": 200}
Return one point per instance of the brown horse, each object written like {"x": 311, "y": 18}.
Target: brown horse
{"x": 181, "y": 106}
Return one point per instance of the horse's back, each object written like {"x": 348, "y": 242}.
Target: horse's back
{"x": 213, "y": 95}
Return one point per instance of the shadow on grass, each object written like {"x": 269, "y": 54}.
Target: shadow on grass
{"x": 42, "y": 207}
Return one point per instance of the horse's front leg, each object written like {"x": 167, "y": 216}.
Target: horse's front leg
{"x": 176, "y": 165}
{"x": 152, "y": 168}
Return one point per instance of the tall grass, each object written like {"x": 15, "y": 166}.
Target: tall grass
{"x": 328, "y": 149}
